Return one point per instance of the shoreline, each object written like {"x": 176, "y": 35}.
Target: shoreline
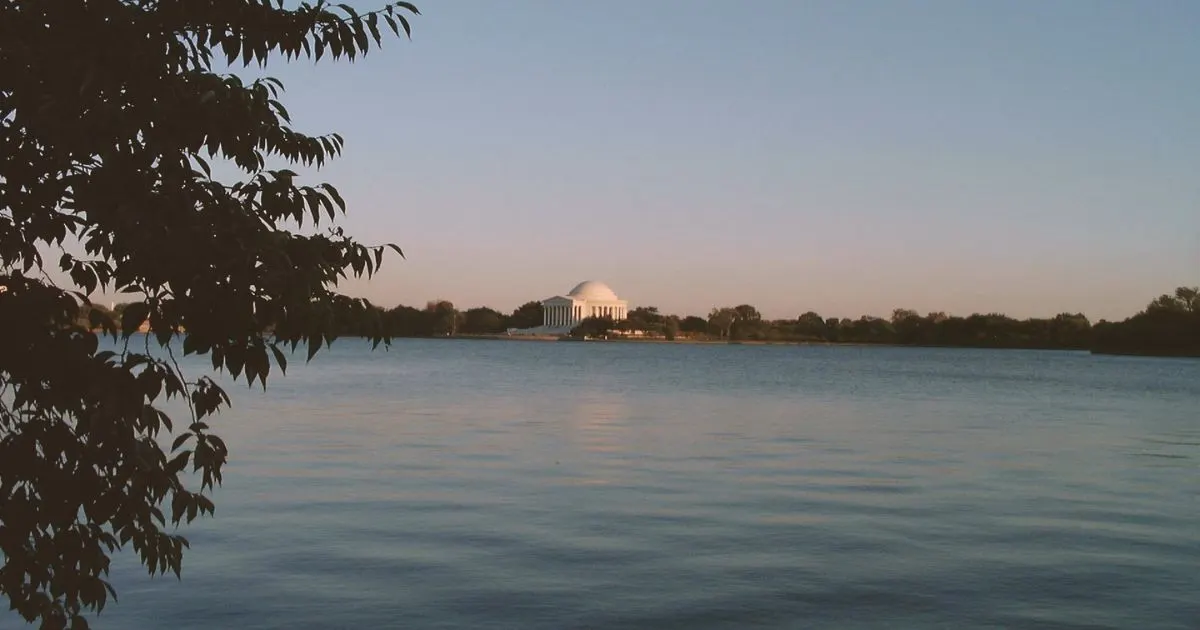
{"x": 690, "y": 342}
{"x": 781, "y": 342}
{"x": 1156, "y": 355}
{"x": 847, "y": 344}
{"x": 746, "y": 342}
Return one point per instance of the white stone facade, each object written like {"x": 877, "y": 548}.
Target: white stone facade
{"x": 587, "y": 299}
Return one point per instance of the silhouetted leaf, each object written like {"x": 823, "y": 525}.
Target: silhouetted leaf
{"x": 280, "y": 359}
{"x": 133, "y": 317}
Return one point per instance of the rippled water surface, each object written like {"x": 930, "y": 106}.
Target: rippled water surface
{"x": 472, "y": 484}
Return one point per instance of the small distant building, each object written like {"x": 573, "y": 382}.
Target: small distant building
{"x": 561, "y": 313}
{"x": 587, "y": 299}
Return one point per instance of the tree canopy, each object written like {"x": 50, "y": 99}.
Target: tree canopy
{"x": 1169, "y": 325}
{"x": 527, "y": 315}
{"x": 112, "y": 116}
{"x": 593, "y": 327}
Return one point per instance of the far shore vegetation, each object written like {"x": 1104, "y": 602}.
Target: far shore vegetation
{"x": 1168, "y": 326}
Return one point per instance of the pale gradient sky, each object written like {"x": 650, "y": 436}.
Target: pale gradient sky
{"x": 847, "y": 157}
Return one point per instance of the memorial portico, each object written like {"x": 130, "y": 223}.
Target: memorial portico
{"x": 587, "y": 299}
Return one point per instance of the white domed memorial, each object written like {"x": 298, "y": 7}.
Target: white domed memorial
{"x": 587, "y": 299}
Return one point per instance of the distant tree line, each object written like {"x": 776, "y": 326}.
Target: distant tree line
{"x": 438, "y": 318}
{"x": 1169, "y": 325}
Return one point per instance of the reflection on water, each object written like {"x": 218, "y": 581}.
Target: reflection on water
{"x": 530, "y": 485}
{"x": 601, "y": 421}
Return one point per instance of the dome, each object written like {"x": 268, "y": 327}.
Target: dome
{"x": 592, "y": 290}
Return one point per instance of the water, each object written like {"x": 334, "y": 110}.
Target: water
{"x": 469, "y": 484}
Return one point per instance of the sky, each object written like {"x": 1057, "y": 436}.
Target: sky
{"x": 847, "y": 157}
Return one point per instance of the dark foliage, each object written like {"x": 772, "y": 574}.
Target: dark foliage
{"x": 1170, "y": 326}
{"x": 593, "y": 327}
{"x": 693, "y": 324}
{"x": 110, "y": 113}
{"x": 528, "y": 315}
{"x": 1065, "y": 331}
{"x": 444, "y": 318}
{"x": 483, "y": 321}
